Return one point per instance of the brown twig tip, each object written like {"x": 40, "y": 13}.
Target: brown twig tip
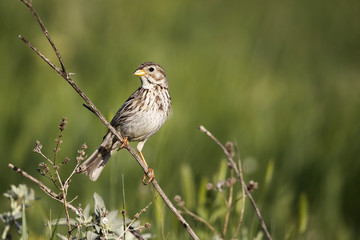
{"x": 179, "y": 201}
{"x": 209, "y": 186}
{"x": 38, "y": 147}
{"x": 63, "y": 123}
{"x": 12, "y": 166}
{"x": 203, "y": 129}
{"x": 230, "y": 148}
{"x": 43, "y": 168}
{"x": 81, "y": 153}
{"x": 137, "y": 215}
{"x": 252, "y": 186}
{"x": 66, "y": 160}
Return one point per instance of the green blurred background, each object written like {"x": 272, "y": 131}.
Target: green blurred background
{"x": 281, "y": 78}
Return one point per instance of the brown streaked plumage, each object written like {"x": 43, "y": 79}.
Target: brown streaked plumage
{"x": 141, "y": 116}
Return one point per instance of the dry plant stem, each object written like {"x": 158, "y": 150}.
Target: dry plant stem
{"x": 28, "y": 3}
{"x": 134, "y": 219}
{"x": 62, "y": 72}
{"x": 67, "y": 181}
{"x": 46, "y": 158}
{"x": 47, "y": 190}
{"x": 233, "y": 166}
{"x": 64, "y": 195}
{"x": 78, "y": 232}
{"x": 62, "y": 186}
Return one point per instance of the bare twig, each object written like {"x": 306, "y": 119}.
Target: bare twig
{"x": 233, "y": 166}
{"x": 137, "y": 215}
{"x": 64, "y": 194}
{"x": 43, "y": 187}
{"x": 62, "y": 72}
{"x": 28, "y": 3}
{"x": 63, "y": 186}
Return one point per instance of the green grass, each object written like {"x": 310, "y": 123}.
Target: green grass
{"x": 281, "y": 78}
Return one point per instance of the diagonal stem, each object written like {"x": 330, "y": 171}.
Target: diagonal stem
{"x": 43, "y": 187}
{"x": 58, "y": 70}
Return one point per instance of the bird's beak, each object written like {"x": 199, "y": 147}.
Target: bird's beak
{"x": 139, "y": 73}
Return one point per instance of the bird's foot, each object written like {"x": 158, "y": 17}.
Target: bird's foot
{"x": 124, "y": 144}
{"x": 152, "y": 177}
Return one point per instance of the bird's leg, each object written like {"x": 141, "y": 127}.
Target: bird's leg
{"x": 124, "y": 143}
{"x": 149, "y": 170}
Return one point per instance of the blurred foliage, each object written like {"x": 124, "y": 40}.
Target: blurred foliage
{"x": 279, "y": 77}
{"x": 20, "y": 197}
{"x": 101, "y": 224}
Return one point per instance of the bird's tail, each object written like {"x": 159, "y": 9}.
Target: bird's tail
{"x": 94, "y": 165}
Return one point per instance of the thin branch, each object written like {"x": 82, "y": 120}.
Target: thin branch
{"x": 136, "y": 217}
{"x": 58, "y": 70}
{"x": 233, "y": 165}
{"x": 28, "y": 3}
{"x": 67, "y": 181}
{"x": 64, "y": 195}
{"x": 44, "y": 156}
{"x": 43, "y": 187}
{"x": 62, "y": 72}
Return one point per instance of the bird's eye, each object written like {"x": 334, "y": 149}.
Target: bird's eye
{"x": 151, "y": 69}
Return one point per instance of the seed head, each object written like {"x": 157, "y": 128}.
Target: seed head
{"x": 62, "y": 124}
{"x": 38, "y": 147}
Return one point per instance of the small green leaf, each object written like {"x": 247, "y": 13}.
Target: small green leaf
{"x": 201, "y": 209}
{"x": 221, "y": 174}
{"x": 188, "y": 185}
{"x": 303, "y": 213}
{"x": 269, "y": 173}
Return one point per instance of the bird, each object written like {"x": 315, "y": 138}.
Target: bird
{"x": 140, "y": 117}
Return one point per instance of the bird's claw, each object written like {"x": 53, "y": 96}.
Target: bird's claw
{"x": 152, "y": 177}
{"x": 125, "y": 143}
